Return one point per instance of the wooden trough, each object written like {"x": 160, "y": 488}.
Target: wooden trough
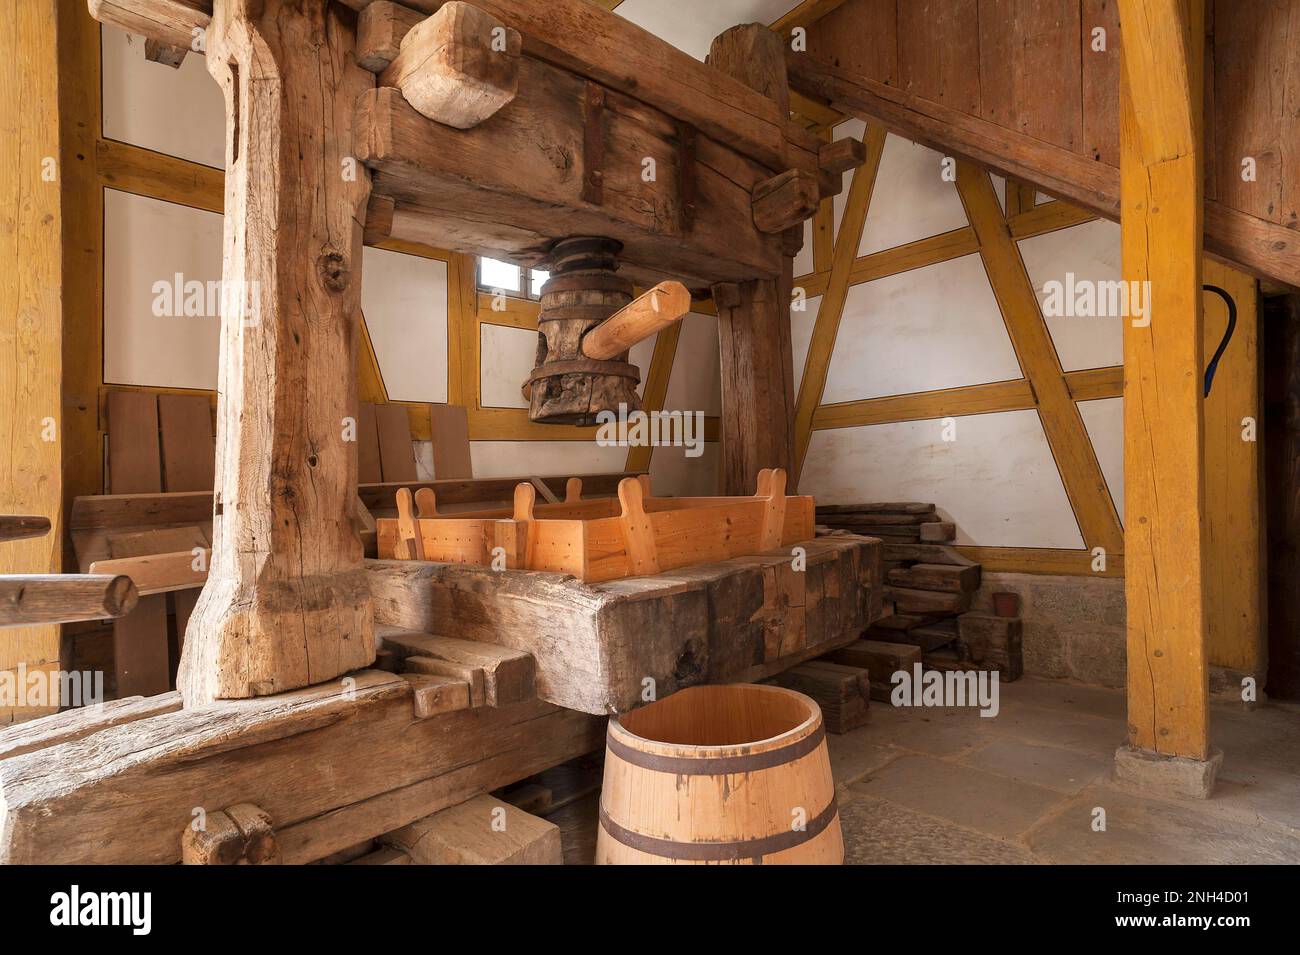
{"x": 604, "y": 539}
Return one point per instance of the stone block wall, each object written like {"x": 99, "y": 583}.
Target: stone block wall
{"x": 1073, "y": 626}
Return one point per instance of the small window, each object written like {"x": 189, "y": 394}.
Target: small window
{"x": 494, "y": 274}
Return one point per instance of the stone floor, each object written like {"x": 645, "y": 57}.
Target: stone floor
{"x": 1033, "y": 784}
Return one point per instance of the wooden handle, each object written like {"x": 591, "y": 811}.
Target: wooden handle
{"x": 16, "y": 527}
{"x": 636, "y": 321}
{"x": 638, "y": 530}
{"x": 27, "y": 599}
{"x": 573, "y": 490}
{"x": 525, "y": 498}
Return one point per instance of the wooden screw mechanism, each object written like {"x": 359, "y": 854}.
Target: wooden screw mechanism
{"x": 587, "y": 323}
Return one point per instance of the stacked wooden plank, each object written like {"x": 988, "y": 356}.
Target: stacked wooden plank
{"x": 905, "y": 522}
{"x": 842, "y": 692}
{"x": 930, "y": 586}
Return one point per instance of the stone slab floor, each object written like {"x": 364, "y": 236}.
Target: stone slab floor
{"x": 1031, "y": 784}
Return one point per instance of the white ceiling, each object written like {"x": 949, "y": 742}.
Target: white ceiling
{"x": 691, "y": 24}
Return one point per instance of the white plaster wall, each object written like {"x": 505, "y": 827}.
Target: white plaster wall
{"x": 936, "y": 327}
{"x": 997, "y": 481}
{"x": 910, "y": 200}
{"x": 801, "y": 329}
{"x": 672, "y": 473}
{"x": 694, "y": 384}
{"x": 546, "y": 458}
{"x": 1091, "y": 252}
{"x": 404, "y": 300}
{"x": 180, "y": 112}
{"x": 691, "y": 25}
{"x": 506, "y": 358}
{"x": 147, "y": 241}
{"x": 1104, "y": 421}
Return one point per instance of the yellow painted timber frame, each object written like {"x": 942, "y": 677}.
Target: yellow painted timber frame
{"x": 1164, "y": 428}
{"x": 31, "y": 317}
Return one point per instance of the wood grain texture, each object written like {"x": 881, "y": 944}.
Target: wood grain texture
{"x": 1164, "y": 484}
{"x": 285, "y": 604}
{"x": 755, "y": 350}
{"x": 138, "y": 782}
{"x": 594, "y": 644}
{"x": 186, "y": 442}
{"x": 458, "y": 66}
{"x": 1045, "y": 103}
{"x": 31, "y": 310}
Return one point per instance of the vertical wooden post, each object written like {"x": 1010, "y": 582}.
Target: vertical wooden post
{"x": 286, "y": 604}
{"x": 755, "y": 356}
{"x": 1165, "y": 537}
{"x": 30, "y": 319}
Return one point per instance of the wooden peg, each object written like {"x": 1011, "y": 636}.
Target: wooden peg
{"x": 573, "y": 490}
{"x": 645, "y": 315}
{"x": 450, "y": 69}
{"x": 638, "y": 531}
{"x": 784, "y": 201}
{"x": 410, "y": 545}
{"x": 238, "y": 835}
{"x": 426, "y": 502}
{"x": 771, "y": 484}
{"x": 525, "y": 498}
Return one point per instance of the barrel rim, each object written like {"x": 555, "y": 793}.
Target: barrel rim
{"x": 691, "y": 751}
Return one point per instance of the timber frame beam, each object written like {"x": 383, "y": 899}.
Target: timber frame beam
{"x": 1160, "y": 145}
{"x": 1256, "y": 245}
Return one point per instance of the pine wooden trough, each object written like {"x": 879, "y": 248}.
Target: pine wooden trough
{"x": 599, "y": 540}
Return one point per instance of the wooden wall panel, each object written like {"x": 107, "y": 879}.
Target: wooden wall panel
{"x": 938, "y": 51}
{"x": 1099, "y": 71}
{"x": 1252, "y": 46}
{"x": 1233, "y": 571}
{"x": 1029, "y": 68}
{"x": 862, "y": 36}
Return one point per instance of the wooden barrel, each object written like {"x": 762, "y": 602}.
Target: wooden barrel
{"x": 719, "y": 774}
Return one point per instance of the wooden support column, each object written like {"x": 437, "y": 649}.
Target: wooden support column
{"x": 1165, "y": 533}
{"x": 286, "y": 604}
{"x": 30, "y": 317}
{"x": 755, "y": 356}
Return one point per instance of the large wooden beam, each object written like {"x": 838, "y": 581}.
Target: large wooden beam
{"x": 585, "y": 39}
{"x": 596, "y": 644}
{"x": 582, "y": 38}
{"x": 177, "y": 23}
{"x": 142, "y": 768}
{"x": 31, "y": 338}
{"x": 1255, "y": 245}
{"x": 1164, "y": 485}
{"x": 514, "y": 184}
{"x": 286, "y": 604}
